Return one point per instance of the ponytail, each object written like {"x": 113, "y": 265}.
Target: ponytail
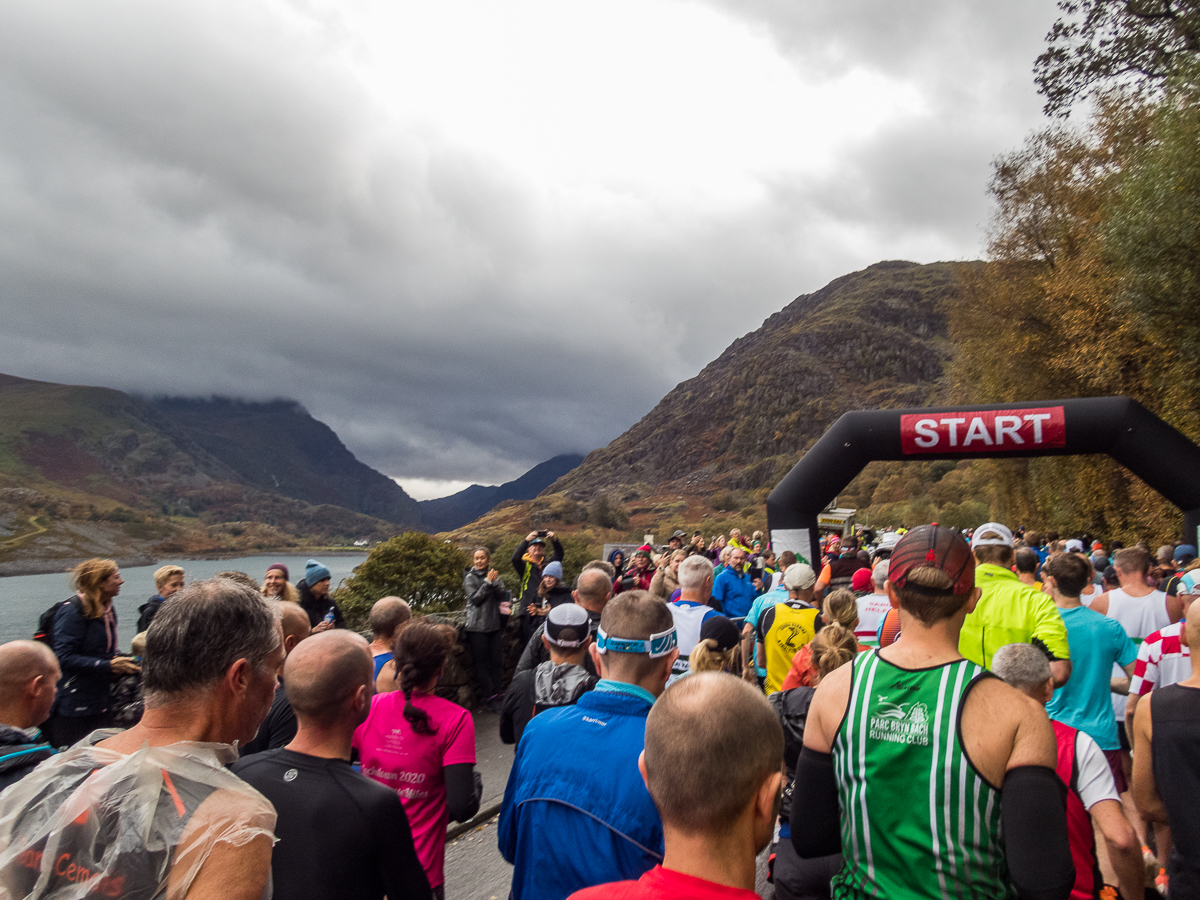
{"x": 833, "y": 646}
{"x": 705, "y": 657}
{"x": 420, "y": 652}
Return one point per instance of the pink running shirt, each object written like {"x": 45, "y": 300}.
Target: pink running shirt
{"x": 411, "y": 765}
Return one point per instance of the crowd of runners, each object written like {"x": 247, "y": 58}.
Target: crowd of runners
{"x": 923, "y": 713}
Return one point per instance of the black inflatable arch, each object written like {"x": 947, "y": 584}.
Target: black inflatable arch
{"x": 1118, "y": 426}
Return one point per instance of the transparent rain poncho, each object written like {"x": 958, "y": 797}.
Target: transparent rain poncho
{"x": 95, "y": 823}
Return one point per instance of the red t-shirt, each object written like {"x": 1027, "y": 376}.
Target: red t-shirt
{"x": 664, "y": 884}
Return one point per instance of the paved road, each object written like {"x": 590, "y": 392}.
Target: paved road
{"x": 474, "y": 868}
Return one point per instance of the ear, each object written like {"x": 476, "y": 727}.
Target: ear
{"x": 1048, "y": 691}
{"x": 35, "y": 686}
{"x": 575, "y": 597}
{"x": 668, "y": 664}
{"x": 767, "y": 798}
{"x": 289, "y": 643}
{"x": 237, "y": 677}
{"x": 545, "y": 641}
{"x": 973, "y": 600}
{"x": 893, "y": 597}
{"x": 642, "y": 769}
{"x": 598, "y": 660}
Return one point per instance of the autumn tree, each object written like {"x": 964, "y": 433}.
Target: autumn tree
{"x": 1099, "y": 44}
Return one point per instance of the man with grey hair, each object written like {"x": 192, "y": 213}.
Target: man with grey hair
{"x": 341, "y": 834}
{"x": 152, "y": 811}
{"x": 691, "y": 609}
{"x": 1091, "y": 789}
{"x": 29, "y": 676}
{"x": 873, "y": 607}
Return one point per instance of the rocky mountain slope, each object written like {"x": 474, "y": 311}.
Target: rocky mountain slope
{"x": 449, "y": 513}
{"x": 87, "y": 471}
{"x": 874, "y": 338}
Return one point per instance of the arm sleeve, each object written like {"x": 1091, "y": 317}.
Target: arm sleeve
{"x": 558, "y": 551}
{"x": 1145, "y": 670}
{"x": 477, "y": 589}
{"x": 518, "y": 558}
{"x": 403, "y": 874}
{"x": 528, "y": 658}
{"x": 1127, "y": 650}
{"x": 817, "y": 832}
{"x": 1033, "y": 809}
{"x": 463, "y": 789}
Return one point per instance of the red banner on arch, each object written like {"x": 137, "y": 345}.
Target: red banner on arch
{"x": 990, "y": 431}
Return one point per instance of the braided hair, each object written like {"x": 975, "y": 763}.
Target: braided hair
{"x": 420, "y": 652}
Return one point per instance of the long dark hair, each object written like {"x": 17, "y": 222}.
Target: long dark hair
{"x": 420, "y": 651}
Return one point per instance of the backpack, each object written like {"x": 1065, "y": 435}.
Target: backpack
{"x": 45, "y": 623}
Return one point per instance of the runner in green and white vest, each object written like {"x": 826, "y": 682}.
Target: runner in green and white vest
{"x": 940, "y": 775}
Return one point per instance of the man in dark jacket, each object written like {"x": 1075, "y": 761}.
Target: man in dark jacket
{"x": 527, "y": 560}
{"x": 559, "y": 681}
{"x": 313, "y": 589}
{"x": 28, "y": 682}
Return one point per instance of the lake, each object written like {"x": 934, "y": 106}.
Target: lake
{"x": 25, "y": 597}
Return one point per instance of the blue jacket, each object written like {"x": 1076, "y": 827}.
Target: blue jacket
{"x": 736, "y": 592}
{"x": 576, "y": 812}
{"x": 81, "y": 646}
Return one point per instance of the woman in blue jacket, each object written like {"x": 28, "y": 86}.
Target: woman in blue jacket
{"x": 85, "y": 642}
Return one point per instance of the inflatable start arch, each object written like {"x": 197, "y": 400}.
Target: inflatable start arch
{"x": 1118, "y": 426}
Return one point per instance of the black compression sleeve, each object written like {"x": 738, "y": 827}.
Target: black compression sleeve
{"x": 1033, "y": 808}
{"x": 463, "y": 787}
{"x": 816, "y": 821}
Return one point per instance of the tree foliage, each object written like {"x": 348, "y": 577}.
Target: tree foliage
{"x": 1093, "y": 273}
{"x": 1100, "y": 43}
{"x": 414, "y": 566}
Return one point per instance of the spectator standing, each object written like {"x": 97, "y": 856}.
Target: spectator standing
{"x": 168, "y": 580}
{"x": 485, "y": 592}
{"x": 715, "y": 780}
{"x": 165, "y": 818}
{"x": 422, "y": 746}
{"x": 1166, "y": 775}
{"x": 277, "y": 585}
{"x": 323, "y": 612}
{"x": 732, "y": 589}
{"x": 387, "y": 617}
{"x": 1009, "y": 612}
{"x": 666, "y": 577}
{"x": 574, "y": 781}
{"x": 279, "y": 726}
{"x": 1093, "y": 802}
{"x": 527, "y": 561}
{"x": 85, "y": 642}
{"x": 639, "y": 574}
{"x": 922, "y": 816}
{"x": 559, "y": 681}
{"x": 340, "y": 834}
{"x": 28, "y": 678}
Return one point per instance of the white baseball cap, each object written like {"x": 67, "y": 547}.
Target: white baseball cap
{"x": 1005, "y": 538}
{"x": 799, "y": 577}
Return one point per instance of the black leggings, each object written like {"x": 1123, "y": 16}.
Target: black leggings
{"x": 489, "y": 663}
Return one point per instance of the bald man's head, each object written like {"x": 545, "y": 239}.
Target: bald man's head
{"x": 593, "y": 590}
{"x": 324, "y": 672}
{"x": 296, "y": 626}
{"x": 29, "y": 676}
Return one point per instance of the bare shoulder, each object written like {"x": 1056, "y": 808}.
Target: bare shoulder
{"x": 225, "y": 850}
{"x": 1003, "y": 729}
{"x": 828, "y": 707}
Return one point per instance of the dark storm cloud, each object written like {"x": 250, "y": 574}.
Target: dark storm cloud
{"x": 201, "y": 198}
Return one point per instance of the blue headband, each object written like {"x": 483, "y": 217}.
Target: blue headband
{"x": 659, "y": 644}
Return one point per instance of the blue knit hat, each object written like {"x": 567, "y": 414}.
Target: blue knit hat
{"x": 314, "y": 572}
{"x": 555, "y": 569}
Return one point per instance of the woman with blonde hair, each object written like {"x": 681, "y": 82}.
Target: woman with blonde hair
{"x": 839, "y": 608}
{"x": 84, "y": 639}
{"x": 719, "y": 648}
{"x": 277, "y": 586}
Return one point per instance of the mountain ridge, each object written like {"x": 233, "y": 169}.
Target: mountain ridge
{"x": 456, "y": 510}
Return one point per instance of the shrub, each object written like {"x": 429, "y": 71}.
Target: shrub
{"x": 426, "y": 572}
{"x": 607, "y": 513}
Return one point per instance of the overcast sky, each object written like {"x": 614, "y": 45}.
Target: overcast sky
{"x": 470, "y": 235}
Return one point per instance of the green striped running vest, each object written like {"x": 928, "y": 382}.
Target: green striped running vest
{"x": 917, "y": 820}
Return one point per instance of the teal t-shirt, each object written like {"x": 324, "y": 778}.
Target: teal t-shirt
{"x": 762, "y": 602}
{"x": 1085, "y": 701}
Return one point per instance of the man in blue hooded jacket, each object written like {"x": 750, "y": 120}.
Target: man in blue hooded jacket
{"x": 575, "y": 780}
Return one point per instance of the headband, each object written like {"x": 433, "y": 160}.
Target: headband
{"x": 659, "y": 644}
